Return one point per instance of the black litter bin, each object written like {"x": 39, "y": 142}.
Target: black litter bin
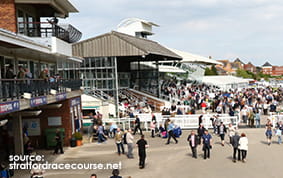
{"x": 73, "y": 142}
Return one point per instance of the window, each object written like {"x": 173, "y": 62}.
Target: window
{"x": 21, "y": 22}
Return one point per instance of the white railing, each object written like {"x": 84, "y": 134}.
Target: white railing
{"x": 184, "y": 121}
{"x": 275, "y": 118}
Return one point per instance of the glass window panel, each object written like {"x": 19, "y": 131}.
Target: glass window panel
{"x": 97, "y": 62}
{"x": 104, "y": 84}
{"x": 87, "y": 63}
{"x": 21, "y": 21}
{"x": 92, "y": 62}
{"x": 99, "y": 84}
{"x": 110, "y": 73}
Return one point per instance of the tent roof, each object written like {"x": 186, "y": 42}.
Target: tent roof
{"x": 193, "y": 58}
{"x": 223, "y": 80}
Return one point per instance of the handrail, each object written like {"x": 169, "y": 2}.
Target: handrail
{"x": 64, "y": 32}
{"x": 15, "y": 88}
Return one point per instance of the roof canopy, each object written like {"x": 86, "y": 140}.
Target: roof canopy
{"x": 12, "y": 44}
{"x": 62, "y": 7}
{"x": 193, "y": 58}
{"x": 115, "y": 44}
{"x": 163, "y": 68}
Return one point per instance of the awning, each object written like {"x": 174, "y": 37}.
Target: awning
{"x": 90, "y": 107}
{"x": 171, "y": 69}
{"x": 163, "y": 68}
{"x": 194, "y": 58}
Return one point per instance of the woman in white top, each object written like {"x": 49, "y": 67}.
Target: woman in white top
{"x": 243, "y": 146}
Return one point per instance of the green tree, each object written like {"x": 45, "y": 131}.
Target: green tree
{"x": 211, "y": 71}
{"x": 214, "y": 70}
{"x": 244, "y": 74}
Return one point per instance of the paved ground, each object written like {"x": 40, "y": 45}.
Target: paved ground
{"x": 175, "y": 160}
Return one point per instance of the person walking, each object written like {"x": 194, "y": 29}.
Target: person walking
{"x": 170, "y": 133}
{"x": 5, "y": 172}
{"x": 142, "y": 145}
{"x": 243, "y": 146}
{"x": 207, "y": 144}
{"x": 278, "y": 132}
{"x": 130, "y": 143}
{"x": 193, "y": 141}
{"x": 235, "y": 144}
{"x": 118, "y": 140}
{"x": 231, "y": 131}
{"x": 100, "y": 133}
{"x": 58, "y": 140}
{"x": 222, "y": 130}
{"x": 115, "y": 174}
{"x": 93, "y": 176}
{"x": 268, "y": 131}
{"x": 244, "y": 113}
{"x": 257, "y": 119}
{"x": 152, "y": 128}
{"x": 138, "y": 125}
{"x": 201, "y": 130}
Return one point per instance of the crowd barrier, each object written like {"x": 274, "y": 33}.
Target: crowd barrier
{"x": 275, "y": 118}
{"x": 184, "y": 121}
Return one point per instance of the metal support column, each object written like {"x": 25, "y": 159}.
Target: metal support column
{"x": 116, "y": 90}
{"x": 138, "y": 76}
{"x": 157, "y": 78}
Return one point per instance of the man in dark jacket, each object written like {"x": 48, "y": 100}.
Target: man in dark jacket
{"x": 138, "y": 125}
{"x": 235, "y": 144}
{"x": 142, "y": 145}
{"x": 201, "y": 130}
{"x": 58, "y": 140}
{"x": 192, "y": 139}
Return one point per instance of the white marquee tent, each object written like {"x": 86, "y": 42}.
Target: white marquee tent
{"x": 226, "y": 82}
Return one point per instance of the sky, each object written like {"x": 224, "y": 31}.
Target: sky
{"x": 251, "y": 30}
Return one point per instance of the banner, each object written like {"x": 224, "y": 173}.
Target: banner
{"x": 38, "y": 101}
{"x": 9, "y": 107}
{"x": 61, "y": 96}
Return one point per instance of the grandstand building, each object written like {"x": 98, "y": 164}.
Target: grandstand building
{"x": 127, "y": 59}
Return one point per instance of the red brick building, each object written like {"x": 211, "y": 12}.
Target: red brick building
{"x": 277, "y": 70}
{"x": 267, "y": 68}
{"x": 250, "y": 67}
{"x": 50, "y": 97}
{"x": 8, "y": 15}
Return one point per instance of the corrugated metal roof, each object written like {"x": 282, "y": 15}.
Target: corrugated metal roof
{"x": 119, "y": 44}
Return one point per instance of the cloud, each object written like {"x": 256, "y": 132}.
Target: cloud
{"x": 248, "y": 29}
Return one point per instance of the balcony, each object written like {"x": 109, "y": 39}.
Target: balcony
{"x": 65, "y": 32}
{"x": 12, "y": 89}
